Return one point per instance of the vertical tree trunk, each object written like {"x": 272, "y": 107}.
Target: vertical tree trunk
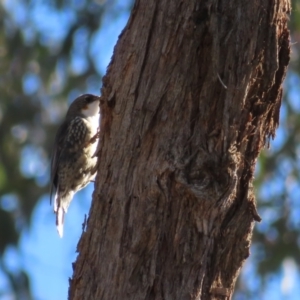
{"x": 191, "y": 96}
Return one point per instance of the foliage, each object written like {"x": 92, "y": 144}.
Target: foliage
{"x": 48, "y": 54}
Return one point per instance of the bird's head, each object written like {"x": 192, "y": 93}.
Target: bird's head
{"x": 86, "y": 105}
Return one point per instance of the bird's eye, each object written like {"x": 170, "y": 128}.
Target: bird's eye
{"x": 89, "y": 99}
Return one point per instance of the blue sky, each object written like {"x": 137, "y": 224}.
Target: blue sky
{"x": 47, "y": 258}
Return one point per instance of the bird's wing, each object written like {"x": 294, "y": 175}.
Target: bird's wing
{"x": 57, "y": 149}
{"x": 76, "y": 135}
{"x": 71, "y": 137}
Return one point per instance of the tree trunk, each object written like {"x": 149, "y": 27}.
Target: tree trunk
{"x": 191, "y": 96}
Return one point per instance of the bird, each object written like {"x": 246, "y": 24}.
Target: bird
{"x": 73, "y": 163}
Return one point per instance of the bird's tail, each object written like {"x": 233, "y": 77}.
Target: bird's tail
{"x": 61, "y": 204}
{"x": 60, "y": 214}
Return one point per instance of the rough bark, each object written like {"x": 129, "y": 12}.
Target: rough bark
{"x": 191, "y": 96}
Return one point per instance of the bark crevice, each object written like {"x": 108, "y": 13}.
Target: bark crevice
{"x": 190, "y": 97}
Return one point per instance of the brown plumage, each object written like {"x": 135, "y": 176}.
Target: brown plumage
{"x": 73, "y": 165}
